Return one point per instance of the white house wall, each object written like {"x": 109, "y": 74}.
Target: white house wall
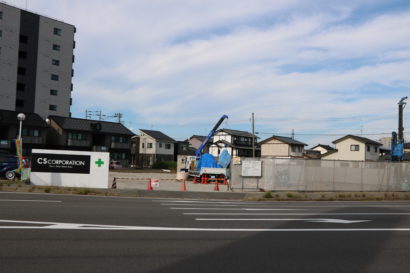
{"x": 372, "y": 155}
{"x": 274, "y": 147}
{"x": 344, "y": 152}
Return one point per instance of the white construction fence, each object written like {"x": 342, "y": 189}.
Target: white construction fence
{"x": 274, "y": 174}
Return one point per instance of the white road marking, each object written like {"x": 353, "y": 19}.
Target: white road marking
{"x": 73, "y": 226}
{"x": 299, "y": 214}
{"x": 22, "y": 200}
{"x": 314, "y": 220}
{"x": 250, "y": 209}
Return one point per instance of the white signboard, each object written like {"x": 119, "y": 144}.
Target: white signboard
{"x": 251, "y": 168}
{"x": 62, "y": 168}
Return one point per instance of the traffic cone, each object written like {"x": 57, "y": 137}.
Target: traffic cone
{"x": 150, "y": 185}
{"x": 216, "y": 188}
{"x": 195, "y": 180}
{"x": 114, "y": 183}
{"x": 183, "y": 187}
{"x": 224, "y": 180}
{"x": 203, "y": 180}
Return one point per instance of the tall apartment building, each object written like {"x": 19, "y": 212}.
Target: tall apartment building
{"x": 36, "y": 63}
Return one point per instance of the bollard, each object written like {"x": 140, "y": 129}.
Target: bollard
{"x": 150, "y": 185}
{"x": 183, "y": 187}
{"x": 114, "y": 183}
{"x": 216, "y": 188}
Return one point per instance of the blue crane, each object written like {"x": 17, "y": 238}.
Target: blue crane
{"x": 210, "y": 135}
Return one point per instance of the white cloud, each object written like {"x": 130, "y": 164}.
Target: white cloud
{"x": 296, "y": 64}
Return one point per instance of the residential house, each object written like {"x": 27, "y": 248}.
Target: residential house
{"x": 323, "y": 149}
{"x": 91, "y": 135}
{"x": 155, "y": 146}
{"x": 355, "y": 148}
{"x": 195, "y": 142}
{"x": 183, "y": 148}
{"x": 33, "y": 133}
{"x": 280, "y": 146}
{"x": 135, "y": 151}
{"x": 237, "y": 143}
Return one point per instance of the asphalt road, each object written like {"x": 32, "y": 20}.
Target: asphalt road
{"x": 57, "y": 233}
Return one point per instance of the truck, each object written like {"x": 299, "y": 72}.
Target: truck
{"x": 204, "y": 167}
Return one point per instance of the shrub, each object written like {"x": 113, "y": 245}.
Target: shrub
{"x": 267, "y": 194}
{"x": 171, "y": 165}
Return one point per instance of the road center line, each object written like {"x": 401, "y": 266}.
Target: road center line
{"x": 314, "y": 220}
{"x": 246, "y": 209}
{"x": 40, "y": 201}
{"x": 299, "y": 214}
{"x": 72, "y": 226}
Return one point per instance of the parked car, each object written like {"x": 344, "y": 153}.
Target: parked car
{"x": 115, "y": 165}
{"x": 8, "y": 163}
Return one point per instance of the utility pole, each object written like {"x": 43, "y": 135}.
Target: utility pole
{"x": 253, "y": 135}
{"x": 401, "y": 104}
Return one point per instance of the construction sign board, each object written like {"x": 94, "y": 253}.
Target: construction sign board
{"x": 69, "y": 168}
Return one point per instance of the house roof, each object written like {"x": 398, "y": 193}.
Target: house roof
{"x": 32, "y": 119}
{"x": 235, "y": 146}
{"x": 237, "y": 133}
{"x": 200, "y": 138}
{"x": 358, "y": 138}
{"x": 287, "y": 140}
{"x": 329, "y": 153}
{"x": 88, "y": 125}
{"x": 326, "y": 147}
{"x": 157, "y": 135}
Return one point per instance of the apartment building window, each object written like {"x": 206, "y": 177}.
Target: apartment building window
{"x": 19, "y": 103}
{"x": 375, "y": 149}
{"x": 22, "y": 55}
{"x": 71, "y": 101}
{"x": 53, "y": 92}
{"x": 73, "y": 60}
{"x": 143, "y": 145}
{"x": 368, "y": 148}
{"x": 119, "y": 139}
{"x": 160, "y": 145}
{"x": 1, "y": 15}
{"x": 54, "y": 77}
{"x": 21, "y": 87}
{"x": 149, "y": 145}
{"x": 57, "y": 31}
{"x": 52, "y": 107}
{"x": 118, "y": 156}
{"x": 23, "y": 39}
{"x": 21, "y": 70}
{"x": 30, "y": 132}
{"x": 73, "y": 44}
{"x": 1, "y": 33}
{"x": 56, "y": 47}
{"x": 354, "y": 148}
{"x": 77, "y": 136}
{"x": 168, "y": 146}
{"x": 72, "y": 72}
{"x": 55, "y": 62}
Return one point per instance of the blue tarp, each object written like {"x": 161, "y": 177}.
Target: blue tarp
{"x": 207, "y": 161}
{"x": 224, "y": 159}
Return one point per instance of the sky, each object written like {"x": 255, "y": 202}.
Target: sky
{"x": 320, "y": 68}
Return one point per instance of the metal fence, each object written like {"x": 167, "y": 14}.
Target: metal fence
{"x": 322, "y": 175}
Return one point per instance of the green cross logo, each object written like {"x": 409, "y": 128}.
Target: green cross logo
{"x": 99, "y": 162}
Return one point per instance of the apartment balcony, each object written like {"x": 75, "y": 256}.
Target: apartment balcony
{"x": 78, "y": 143}
{"x": 100, "y": 149}
{"x": 4, "y": 144}
{"x": 115, "y": 145}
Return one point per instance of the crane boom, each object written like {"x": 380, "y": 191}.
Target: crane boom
{"x": 210, "y": 135}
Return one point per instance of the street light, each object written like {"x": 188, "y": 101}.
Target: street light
{"x": 21, "y": 117}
